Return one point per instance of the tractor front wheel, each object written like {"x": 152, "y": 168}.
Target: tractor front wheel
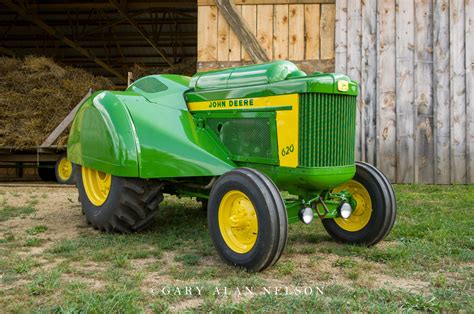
{"x": 118, "y": 204}
{"x": 374, "y": 215}
{"x": 247, "y": 219}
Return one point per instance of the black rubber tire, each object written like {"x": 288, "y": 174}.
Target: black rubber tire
{"x": 131, "y": 205}
{"x": 383, "y": 209}
{"x": 271, "y": 215}
{"x": 46, "y": 172}
{"x": 71, "y": 179}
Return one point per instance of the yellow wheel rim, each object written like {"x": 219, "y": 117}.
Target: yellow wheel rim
{"x": 64, "y": 169}
{"x": 97, "y": 185}
{"x": 362, "y": 212}
{"x": 238, "y": 221}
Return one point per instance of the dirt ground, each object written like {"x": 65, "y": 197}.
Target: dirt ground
{"x": 57, "y": 221}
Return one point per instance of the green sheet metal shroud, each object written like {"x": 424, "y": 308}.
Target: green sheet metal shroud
{"x": 148, "y": 132}
{"x": 137, "y": 133}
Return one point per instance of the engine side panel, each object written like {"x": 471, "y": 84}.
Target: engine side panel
{"x": 125, "y": 134}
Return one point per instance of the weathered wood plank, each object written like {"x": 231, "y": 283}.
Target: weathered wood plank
{"x": 327, "y": 24}
{"x": 296, "y": 32}
{"x": 424, "y": 147}
{"x": 242, "y": 30}
{"x": 309, "y": 66}
{"x": 280, "y": 32}
{"x": 223, "y": 38}
{"x": 264, "y": 2}
{"x": 369, "y": 77}
{"x": 235, "y": 47}
{"x": 207, "y": 33}
{"x": 65, "y": 123}
{"x": 469, "y": 39}
{"x": 354, "y": 26}
{"x": 457, "y": 91}
{"x": 405, "y": 16}
{"x": 265, "y": 28}
{"x": 386, "y": 115}
{"x": 341, "y": 36}
{"x": 311, "y": 30}
{"x": 441, "y": 90}
{"x": 249, "y": 13}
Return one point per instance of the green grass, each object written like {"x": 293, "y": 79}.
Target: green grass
{"x": 7, "y": 211}
{"x": 431, "y": 247}
{"x": 36, "y": 230}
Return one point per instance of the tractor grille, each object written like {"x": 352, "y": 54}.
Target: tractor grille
{"x": 244, "y": 137}
{"x": 327, "y": 130}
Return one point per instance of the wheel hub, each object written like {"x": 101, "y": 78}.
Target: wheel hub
{"x": 64, "y": 169}
{"x": 238, "y": 221}
{"x": 361, "y": 213}
{"x": 96, "y": 184}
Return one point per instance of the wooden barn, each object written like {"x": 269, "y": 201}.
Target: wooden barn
{"x": 414, "y": 59}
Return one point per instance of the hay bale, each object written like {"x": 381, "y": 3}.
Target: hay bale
{"x": 35, "y": 96}
{"x": 185, "y": 67}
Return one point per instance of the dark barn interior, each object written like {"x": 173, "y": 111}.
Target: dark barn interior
{"x": 107, "y": 38}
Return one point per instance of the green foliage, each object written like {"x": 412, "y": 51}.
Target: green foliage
{"x": 37, "y": 229}
{"x": 7, "y": 211}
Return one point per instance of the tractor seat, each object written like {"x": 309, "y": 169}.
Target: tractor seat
{"x": 250, "y": 75}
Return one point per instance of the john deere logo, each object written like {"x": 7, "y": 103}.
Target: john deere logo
{"x": 343, "y": 86}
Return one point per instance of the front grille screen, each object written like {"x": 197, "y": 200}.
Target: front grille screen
{"x": 327, "y": 130}
{"x": 244, "y": 137}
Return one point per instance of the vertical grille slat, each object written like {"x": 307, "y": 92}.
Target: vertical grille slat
{"x": 327, "y": 130}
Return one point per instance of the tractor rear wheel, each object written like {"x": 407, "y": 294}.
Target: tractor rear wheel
{"x": 374, "y": 215}
{"x": 247, "y": 219}
{"x": 118, "y": 204}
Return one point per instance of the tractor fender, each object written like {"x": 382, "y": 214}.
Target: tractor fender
{"x": 103, "y": 137}
{"x": 126, "y": 134}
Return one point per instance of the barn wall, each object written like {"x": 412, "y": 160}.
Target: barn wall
{"x": 414, "y": 61}
{"x": 298, "y": 30}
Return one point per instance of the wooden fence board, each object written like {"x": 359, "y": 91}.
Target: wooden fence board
{"x": 404, "y": 91}
{"x": 327, "y": 30}
{"x": 457, "y": 92}
{"x": 386, "y": 159}
{"x": 249, "y": 13}
{"x": 469, "y": 39}
{"x": 341, "y": 37}
{"x": 369, "y": 73}
{"x": 424, "y": 148}
{"x": 207, "y": 33}
{"x": 280, "y": 32}
{"x": 441, "y": 90}
{"x": 296, "y": 32}
{"x": 265, "y": 28}
{"x": 223, "y": 38}
{"x": 234, "y": 43}
{"x": 354, "y": 27}
{"x": 311, "y": 31}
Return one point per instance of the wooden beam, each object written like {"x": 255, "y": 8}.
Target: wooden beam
{"x": 242, "y": 30}
{"x": 140, "y": 30}
{"x": 147, "y": 5}
{"x": 52, "y": 31}
{"x": 271, "y": 2}
{"x": 65, "y": 123}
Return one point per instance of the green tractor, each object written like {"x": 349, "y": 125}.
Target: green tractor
{"x": 234, "y": 139}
